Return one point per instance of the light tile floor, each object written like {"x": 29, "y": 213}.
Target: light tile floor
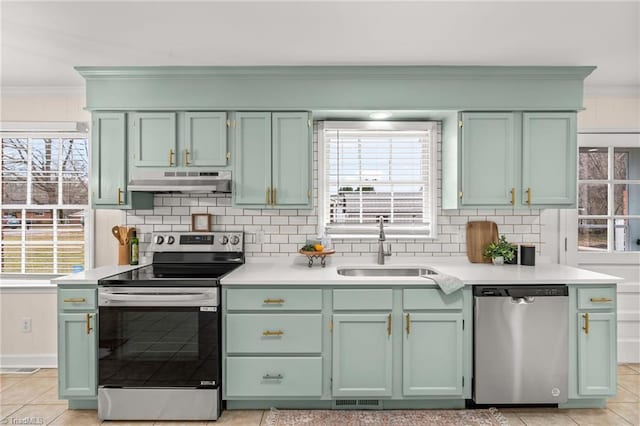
{"x": 34, "y": 397}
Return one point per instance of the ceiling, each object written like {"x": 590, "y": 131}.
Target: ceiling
{"x": 41, "y": 42}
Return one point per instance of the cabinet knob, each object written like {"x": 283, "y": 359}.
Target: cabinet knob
{"x": 171, "y": 154}
{"x": 75, "y": 300}
{"x": 528, "y": 196}
{"x": 275, "y": 201}
{"x": 600, "y": 299}
{"x": 273, "y": 301}
{"x": 268, "y": 196}
{"x": 272, "y": 377}
{"x": 389, "y": 325}
{"x": 273, "y": 333}
{"x": 513, "y": 196}
{"x": 119, "y": 197}
{"x": 408, "y": 324}
{"x": 186, "y": 157}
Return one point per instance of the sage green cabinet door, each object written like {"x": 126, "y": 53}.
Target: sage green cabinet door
{"x": 488, "y": 157}
{"x": 292, "y": 154}
{"x": 252, "y": 159}
{"x": 597, "y": 353}
{"x": 549, "y": 156}
{"x": 77, "y": 356}
{"x": 154, "y": 139}
{"x": 362, "y": 356}
{"x": 432, "y": 354}
{"x": 108, "y": 158}
{"x": 205, "y": 139}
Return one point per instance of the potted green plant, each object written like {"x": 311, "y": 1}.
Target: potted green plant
{"x": 500, "y": 252}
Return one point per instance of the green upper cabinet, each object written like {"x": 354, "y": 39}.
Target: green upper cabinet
{"x": 488, "y": 150}
{"x": 291, "y": 152}
{"x": 252, "y": 171}
{"x": 272, "y": 160}
{"x": 109, "y": 164}
{"x": 596, "y": 353}
{"x": 77, "y": 355}
{"x": 549, "y": 150}
{"x": 154, "y": 139}
{"x": 432, "y": 354}
{"x": 511, "y": 160}
{"x": 108, "y": 158}
{"x": 362, "y": 355}
{"x": 205, "y": 139}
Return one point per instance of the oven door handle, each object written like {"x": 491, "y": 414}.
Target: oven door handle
{"x": 154, "y": 297}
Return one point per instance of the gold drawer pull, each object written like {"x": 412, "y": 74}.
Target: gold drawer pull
{"x": 274, "y": 377}
{"x": 171, "y": 154}
{"x": 273, "y": 333}
{"x": 268, "y": 196}
{"x": 119, "y": 196}
{"x": 274, "y": 197}
{"x": 528, "y": 196}
{"x": 513, "y": 196}
{"x": 75, "y": 300}
{"x": 601, "y": 299}
{"x": 389, "y": 325}
{"x": 586, "y": 323}
{"x": 89, "y": 328}
{"x": 273, "y": 301}
{"x": 186, "y": 157}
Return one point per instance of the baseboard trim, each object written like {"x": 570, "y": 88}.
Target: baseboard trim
{"x": 629, "y": 351}
{"x": 29, "y": 361}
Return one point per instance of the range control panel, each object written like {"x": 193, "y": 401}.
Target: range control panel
{"x": 197, "y": 241}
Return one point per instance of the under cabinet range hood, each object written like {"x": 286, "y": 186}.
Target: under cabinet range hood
{"x": 180, "y": 181}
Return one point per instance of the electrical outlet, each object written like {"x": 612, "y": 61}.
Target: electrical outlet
{"x": 26, "y": 325}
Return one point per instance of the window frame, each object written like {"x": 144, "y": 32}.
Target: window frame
{"x": 609, "y": 141}
{"x": 49, "y": 132}
{"x": 369, "y": 232}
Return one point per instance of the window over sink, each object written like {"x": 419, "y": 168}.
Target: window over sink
{"x": 369, "y": 169}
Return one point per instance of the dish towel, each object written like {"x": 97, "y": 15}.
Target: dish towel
{"x": 447, "y": 283}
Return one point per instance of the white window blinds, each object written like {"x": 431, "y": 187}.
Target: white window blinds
{"x": 374, "y": 169}
{"x": 44, "y": 191}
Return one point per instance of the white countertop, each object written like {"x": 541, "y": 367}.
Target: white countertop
{"x": 91, "y": 276}
{"x": 294, "y": 271}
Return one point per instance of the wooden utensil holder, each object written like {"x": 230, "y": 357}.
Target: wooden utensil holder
{"x": 124, "y": 255}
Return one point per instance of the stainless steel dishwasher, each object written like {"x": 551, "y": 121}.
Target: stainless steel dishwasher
{"x": 520, "y": 344}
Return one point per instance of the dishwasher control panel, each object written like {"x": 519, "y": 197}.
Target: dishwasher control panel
{"x": 521, "y": 290}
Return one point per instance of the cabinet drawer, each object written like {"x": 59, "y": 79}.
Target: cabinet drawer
{"x": 371, "y": 299}
{"x": 274, "y": 377}
{"x": 597, "y": 298}
{"x": 274, "y": 333}
{"x": 80, "y": 299}
{"x": 274, "y": 299}
{"x": 430, "y": 298}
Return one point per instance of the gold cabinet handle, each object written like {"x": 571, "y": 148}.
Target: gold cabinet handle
{"x": 528, "y": 196}
{"x": 408, "y": 326}
{"x": 513, "y": 196}
{"x": 89, "y": 328}
{"x": 268, "y": 196}
{"x": 272, "y": 377}
{"x": 186, "y": 157}
{"x": 119, "y": 196}
{"x": 389, "y": 325}
{"x": 273, "y": 301}
{"x": 274, "y": 196}
{"x": 586, "y": 323}
{"x": 601, "y": 299}
{"x": 272, "y": 333}
{"x": 75, "y": 300}
{"x": 171, "y": 154}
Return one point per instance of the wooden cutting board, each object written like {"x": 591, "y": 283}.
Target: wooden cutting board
{"x": 479, "y": 234}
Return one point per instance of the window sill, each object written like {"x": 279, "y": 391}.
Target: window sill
{"x": 388, "y": 237}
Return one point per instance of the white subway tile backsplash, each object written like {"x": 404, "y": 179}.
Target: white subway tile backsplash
{"x": 284, "y": 231}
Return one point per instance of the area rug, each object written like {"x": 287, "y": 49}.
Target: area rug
{"x": 490, "y": 417}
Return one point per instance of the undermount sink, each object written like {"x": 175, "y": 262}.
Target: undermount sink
{"x": 385, "y": 272}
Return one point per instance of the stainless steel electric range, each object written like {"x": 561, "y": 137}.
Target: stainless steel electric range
{"x": 159, "y": 330}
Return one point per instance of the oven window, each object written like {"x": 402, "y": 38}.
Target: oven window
{"x": 158, "y": 347}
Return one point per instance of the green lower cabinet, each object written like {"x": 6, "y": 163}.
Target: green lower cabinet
{"x": 274, "y": 377}
{"x": 362, "y": 355}
{"x": 597, "y": 353}
{"x": 77, "y": 355}
{"x": 432, "y": 351}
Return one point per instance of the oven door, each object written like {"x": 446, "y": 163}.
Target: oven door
{"x": 158, "y": 337}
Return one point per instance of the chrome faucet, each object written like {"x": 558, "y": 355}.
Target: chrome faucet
{"x": 381, "y": 239}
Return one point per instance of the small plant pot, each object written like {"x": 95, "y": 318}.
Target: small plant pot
{"x": 498, "y": 260}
